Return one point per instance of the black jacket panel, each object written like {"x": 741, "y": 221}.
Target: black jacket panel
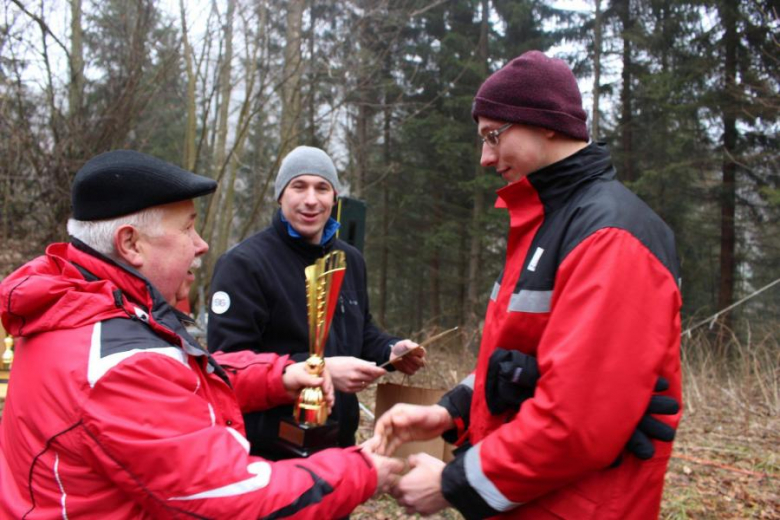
{"x": 582, "y": 195}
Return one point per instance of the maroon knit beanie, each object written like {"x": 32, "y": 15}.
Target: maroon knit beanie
{"x": 535, "y": 90}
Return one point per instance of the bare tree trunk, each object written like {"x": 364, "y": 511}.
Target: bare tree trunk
{"x": 597, "y": 28}
{"x": 463, "y": 271}
{"x": 435, "y": 270}
{"x": 242, "y": 130}
{"x": 225, "y": 90}
{"x": 313, "y": 68}
{"x": 384, "y": 254}
{"x": 189, "y": 154}
{"x": 435, "y": 259}
{"x": 291, "y": 90}
{"x": 214, "y": 211}
{"x": 204, "y": 139}
{"x": 191, "y": 125}
{"x": 626, "y": 123}
{"x": 54, "y": 114}
{"x": 728, "y": 15}
{"x": 361, "y": 148}
{"x": 76, "y": 86}
{"x": 475, "y": 247}
{"x": 420, "y": 304}
{"x": 6, "y": 217}
{"x": 223, "y": 113}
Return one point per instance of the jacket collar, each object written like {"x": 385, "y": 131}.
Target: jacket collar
{"x": 554, "y": 184}
{"x": 94, "y": 265}
{"x": 133, "y": 292}
{"x": 164, "y": 319}
{"x": 307, "y": 250}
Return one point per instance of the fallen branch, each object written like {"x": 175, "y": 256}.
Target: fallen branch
{"x": 720, "y": 465}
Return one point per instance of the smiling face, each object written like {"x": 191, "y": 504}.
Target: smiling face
{"x": 521, "y": 149}
{"x": 172, "y": 251}
{"x": 306, "y": 204}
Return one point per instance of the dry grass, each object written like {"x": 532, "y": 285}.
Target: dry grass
{"x": 726, "y": 463}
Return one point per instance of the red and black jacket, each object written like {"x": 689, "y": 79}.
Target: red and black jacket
{"x": 589, "y": 288}
{"x": 114, "y": 411}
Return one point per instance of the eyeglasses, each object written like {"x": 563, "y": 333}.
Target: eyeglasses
{"x": 491, "y": 138}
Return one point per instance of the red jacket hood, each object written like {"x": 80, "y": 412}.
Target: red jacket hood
{"x": 50, "y": 292}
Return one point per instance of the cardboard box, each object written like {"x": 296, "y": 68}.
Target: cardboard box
{"x": 388, "y": 394}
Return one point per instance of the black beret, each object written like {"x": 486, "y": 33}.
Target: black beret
{"x": 121, "y": 182}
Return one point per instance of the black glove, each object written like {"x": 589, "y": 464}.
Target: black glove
{"x": 649, "y": 427}
{"x": 512, "y": 377}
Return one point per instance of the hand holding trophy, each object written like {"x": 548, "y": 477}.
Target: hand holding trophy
{"x": 309, "y": 430}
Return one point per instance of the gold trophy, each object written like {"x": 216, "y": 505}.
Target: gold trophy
{"x": 309, "y": 430}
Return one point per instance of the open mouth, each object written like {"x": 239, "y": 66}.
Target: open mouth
{"x": 194, "y": 266}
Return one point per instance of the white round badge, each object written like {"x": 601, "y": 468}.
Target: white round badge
{"x": 220, "y": 302}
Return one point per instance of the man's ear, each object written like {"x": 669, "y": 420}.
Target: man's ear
{"x": 127, "y": 247}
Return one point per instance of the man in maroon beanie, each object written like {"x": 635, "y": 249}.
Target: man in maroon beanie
{"x": 582, "y": 330}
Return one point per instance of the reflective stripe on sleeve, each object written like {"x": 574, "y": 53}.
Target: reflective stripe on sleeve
{"x": 482, "y": 485}
{"x": 530, "y": 301}
{"x": 261, "y": 478}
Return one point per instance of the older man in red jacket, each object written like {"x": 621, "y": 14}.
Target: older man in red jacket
{"x": 114, "y": 410}
{"x": 584, "y": 321}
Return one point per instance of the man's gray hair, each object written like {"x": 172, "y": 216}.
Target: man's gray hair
{"x": 99, "y": 234}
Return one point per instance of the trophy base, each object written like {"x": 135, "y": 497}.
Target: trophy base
{"x": 301, "y": 440}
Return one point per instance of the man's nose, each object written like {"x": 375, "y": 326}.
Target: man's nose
{"x": 311, "y": 196}
{"x": 489, "y": 156}
{"x": 201, "y": 246}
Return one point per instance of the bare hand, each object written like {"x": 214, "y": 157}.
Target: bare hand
{"x": 388, "y": 471}
{"x": 351, "y": 374}
{"x": 410, "y": 363}
{"x": 408, "y": 422}
{"x": 296, "y": 376}
{"x": 419, "y": 491}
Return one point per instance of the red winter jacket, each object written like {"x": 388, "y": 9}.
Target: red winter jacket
{"x": 589, "y": 288}
{"x": 114, "y": 411}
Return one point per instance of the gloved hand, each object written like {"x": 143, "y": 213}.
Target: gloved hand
{"x": 512, "y": 377}
{"x": 649, "y": 427}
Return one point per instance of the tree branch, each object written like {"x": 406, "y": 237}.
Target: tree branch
{"x": 44, "y": 27}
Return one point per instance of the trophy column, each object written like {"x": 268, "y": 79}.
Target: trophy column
{"x": 309, "y": 430}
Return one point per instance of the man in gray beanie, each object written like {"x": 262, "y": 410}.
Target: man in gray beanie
{"x": 306, "y": 160}
{"x": 258, "y": 298}
{"x": 582, "y": 328}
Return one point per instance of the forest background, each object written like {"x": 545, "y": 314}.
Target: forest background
{"x": 685, "y": 92}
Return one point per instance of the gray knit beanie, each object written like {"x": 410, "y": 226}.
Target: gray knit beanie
{"x": 306, "y": 160}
